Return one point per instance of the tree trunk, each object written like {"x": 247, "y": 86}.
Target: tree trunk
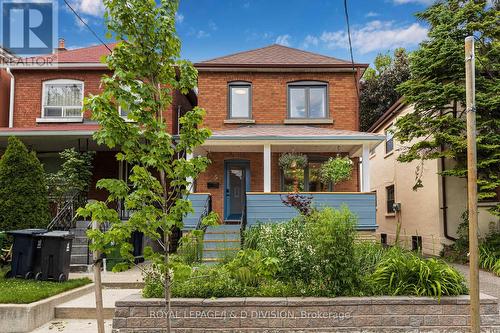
{"x": 166, "y": 241}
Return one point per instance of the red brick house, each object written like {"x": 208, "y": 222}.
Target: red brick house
{"x": 260, "y": 104}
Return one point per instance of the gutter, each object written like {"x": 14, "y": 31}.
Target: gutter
{"x": 445, "y": 206}
{"x": 11, "y": 102}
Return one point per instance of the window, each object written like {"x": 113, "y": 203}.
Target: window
{"x": 123, "y": 111}
{"x": 390, "y": 199}
{"x": 62, "y": 99}
{"x": 307, "y": 100}
{"x": 239, "y": 100}
{"x": 389, "y": 141}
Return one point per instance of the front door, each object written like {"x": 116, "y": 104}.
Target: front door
{"x": 236, "y": 188}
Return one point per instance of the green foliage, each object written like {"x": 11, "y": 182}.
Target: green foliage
{"x": 336, "y": 170}
{"x": 146, "y": 69}
{"x": 369, "y": 254}
{"x": 378, "y": 87}
{"x": 190, "y": 249}
{"x": 74, "y": 176}
{"x": 251, "y": 268}
{"x": 436, "y": 89}
{"x": 23, "y": 192}
{"x": 212, "y": 219}
{"x": 288, "y": 161}
{"x": 405, "y": 273}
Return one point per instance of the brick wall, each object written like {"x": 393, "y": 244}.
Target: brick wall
{"x": 269, "y": 97}
{"x": 28, "y": 94}
{"x": 135, "y": 314}
{"x": 215, "y": 173}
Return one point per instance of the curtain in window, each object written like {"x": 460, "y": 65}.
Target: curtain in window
{"x": 63, "y": 95}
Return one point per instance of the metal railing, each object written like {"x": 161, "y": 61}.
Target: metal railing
{"x": 65, "y": 218}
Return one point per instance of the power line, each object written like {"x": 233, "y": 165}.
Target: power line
{"x": 86, "y": 25}
{"x": 350, "y": 47}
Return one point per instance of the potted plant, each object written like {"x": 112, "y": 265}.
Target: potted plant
{"x": 293, "y": 162}
{"x": 336, "y": 170}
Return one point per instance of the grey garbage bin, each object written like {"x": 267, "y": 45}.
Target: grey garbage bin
{"x": 25, "y": 252}
{"x": 55, "y": 256}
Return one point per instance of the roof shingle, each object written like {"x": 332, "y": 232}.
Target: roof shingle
{"x": 276, "y": 55}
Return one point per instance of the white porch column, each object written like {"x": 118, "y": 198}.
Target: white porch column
{"x": 365, "y": 168}
{"x": 190, "y": 179}
{"x": 267, "y": 168}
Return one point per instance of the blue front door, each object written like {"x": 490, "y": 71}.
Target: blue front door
{"x": 237, "y": 177}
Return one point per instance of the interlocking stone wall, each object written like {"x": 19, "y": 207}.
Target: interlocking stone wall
{"x": 135, "y": 314}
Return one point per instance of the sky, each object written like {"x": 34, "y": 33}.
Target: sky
{"x": 213, "y": 28}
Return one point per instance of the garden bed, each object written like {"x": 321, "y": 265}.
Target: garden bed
{"x": 288, "y": 314}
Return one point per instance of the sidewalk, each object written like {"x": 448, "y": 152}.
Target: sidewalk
{"x": 131, "y": 276}
{"x": 489, "y": 283}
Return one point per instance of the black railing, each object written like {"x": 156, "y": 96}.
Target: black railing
{"x": 206, "y": 210}
{"x": 65, "y": 218}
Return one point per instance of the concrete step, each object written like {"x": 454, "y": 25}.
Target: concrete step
{"x": 80, "y": 241}
{"x": 78, "y": 259}
{"x": 80, "y": 268}
{"x": 207, "y": 244}
{"x": 79, "y": 232}
{"x": 82, "y": 224}
{"x": 84, "y": 306}
{"x": 79, "y": 249}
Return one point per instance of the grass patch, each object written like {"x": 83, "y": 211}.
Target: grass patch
{"x": 19, "y": 291}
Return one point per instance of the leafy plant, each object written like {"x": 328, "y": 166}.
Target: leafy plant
{"x": 190, "y": 249}
{"x": 289, "y": 161}
{"x": 405, "y": 273}
{"x": 301, "y": 202}
{"x": 336, "y": 170}
{"x": 250, "y": 267}
{"x": 23, "y": 191}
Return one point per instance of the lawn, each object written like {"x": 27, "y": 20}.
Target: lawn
{"x": 21, "y": 291}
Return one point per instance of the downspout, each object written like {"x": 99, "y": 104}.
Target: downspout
{"x": 11, "y": 102}
{"x": 445, "y": 206}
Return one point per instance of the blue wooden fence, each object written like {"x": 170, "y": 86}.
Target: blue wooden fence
{"x": 199, "y": 202}
{"x": 269, "y": 208}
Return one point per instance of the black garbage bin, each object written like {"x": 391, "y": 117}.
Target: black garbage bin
{"x": 55, "y": 256}
{"x": 25, "y": 252}
{"x": 137, "y": 242}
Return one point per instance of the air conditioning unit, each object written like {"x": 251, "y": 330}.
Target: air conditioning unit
{"x": 396, "y": 206}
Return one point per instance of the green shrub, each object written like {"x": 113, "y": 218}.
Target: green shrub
{"x": 405, "y": 273}
{"x": 23, "y": 192}
{"x": 190, "y": 249}
{"x": 250, "y": 267}
{"x": 369, "y": 255}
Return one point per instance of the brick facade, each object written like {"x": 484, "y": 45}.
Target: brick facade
{"x": 269, "y": 97}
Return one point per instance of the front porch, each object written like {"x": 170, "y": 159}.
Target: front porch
{"x": 246, "y": 184}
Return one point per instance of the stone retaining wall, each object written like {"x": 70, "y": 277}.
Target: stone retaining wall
{"x": 135, "y": 314}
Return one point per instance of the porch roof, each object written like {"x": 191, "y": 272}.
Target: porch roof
{"x": 291, "y": 132}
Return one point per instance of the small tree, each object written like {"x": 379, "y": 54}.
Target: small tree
{"x": 146, "y": 70}
{"x": 23, "y": 193}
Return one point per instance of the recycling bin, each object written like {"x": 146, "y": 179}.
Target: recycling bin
{"x": 55, "y": 256}
{"x": 25, "y": 252}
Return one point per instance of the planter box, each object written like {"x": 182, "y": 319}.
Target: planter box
{"x": 18, "y": 318}
{"x": 294, "y": 314}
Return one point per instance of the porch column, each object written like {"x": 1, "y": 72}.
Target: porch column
{"x": 365, "y": 168}
{"x": 190, "y": 179}
{"x": 267, "y": 168}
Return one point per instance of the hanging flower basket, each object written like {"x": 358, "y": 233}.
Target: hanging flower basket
{"x": 292, "y": 161}
{"x": 336, "y": 170}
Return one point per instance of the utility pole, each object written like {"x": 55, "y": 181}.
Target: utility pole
{"x": 472, "y": 183}
{"x": 96, "y": 255}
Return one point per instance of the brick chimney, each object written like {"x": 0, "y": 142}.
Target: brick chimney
{"x": 60, "y": 46}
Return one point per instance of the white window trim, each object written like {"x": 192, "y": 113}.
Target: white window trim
{"x": 126, "y": 118}
{"x": 62, "y": 118}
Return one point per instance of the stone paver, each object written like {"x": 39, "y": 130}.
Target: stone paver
{"x": 72, "y": 326}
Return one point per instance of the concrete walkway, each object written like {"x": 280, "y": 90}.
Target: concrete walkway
{"x": 489, "y": 283}
{"x": 73, "y": 326}
{"x": 131, "y": 276}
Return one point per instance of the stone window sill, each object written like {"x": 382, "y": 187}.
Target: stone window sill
{"x": 60, "y": 120}
{"x": 309, "y": 121}
{"x": 239, "y": 121}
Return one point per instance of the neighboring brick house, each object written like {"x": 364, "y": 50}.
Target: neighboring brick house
{"x": 46, "y": 109}
{"x": 429, "y": 216}
{"x": 259, "y": 104}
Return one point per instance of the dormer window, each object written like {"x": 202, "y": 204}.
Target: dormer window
{"x": 307, "y": 100}
{"x": 240, "y": 100}
{"x": 62, "y": 99}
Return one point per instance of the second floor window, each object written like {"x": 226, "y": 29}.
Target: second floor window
{"x": 389, "y": 141}
{"x": 240, "y": 100}
{"x": 390, "y": 199}
{"x": 62, "y": 98}
{"x": 307, "y": 100}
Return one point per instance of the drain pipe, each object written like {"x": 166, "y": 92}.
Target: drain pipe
{"x": 11, "y": 102}
{"x": 445, "y": 206}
